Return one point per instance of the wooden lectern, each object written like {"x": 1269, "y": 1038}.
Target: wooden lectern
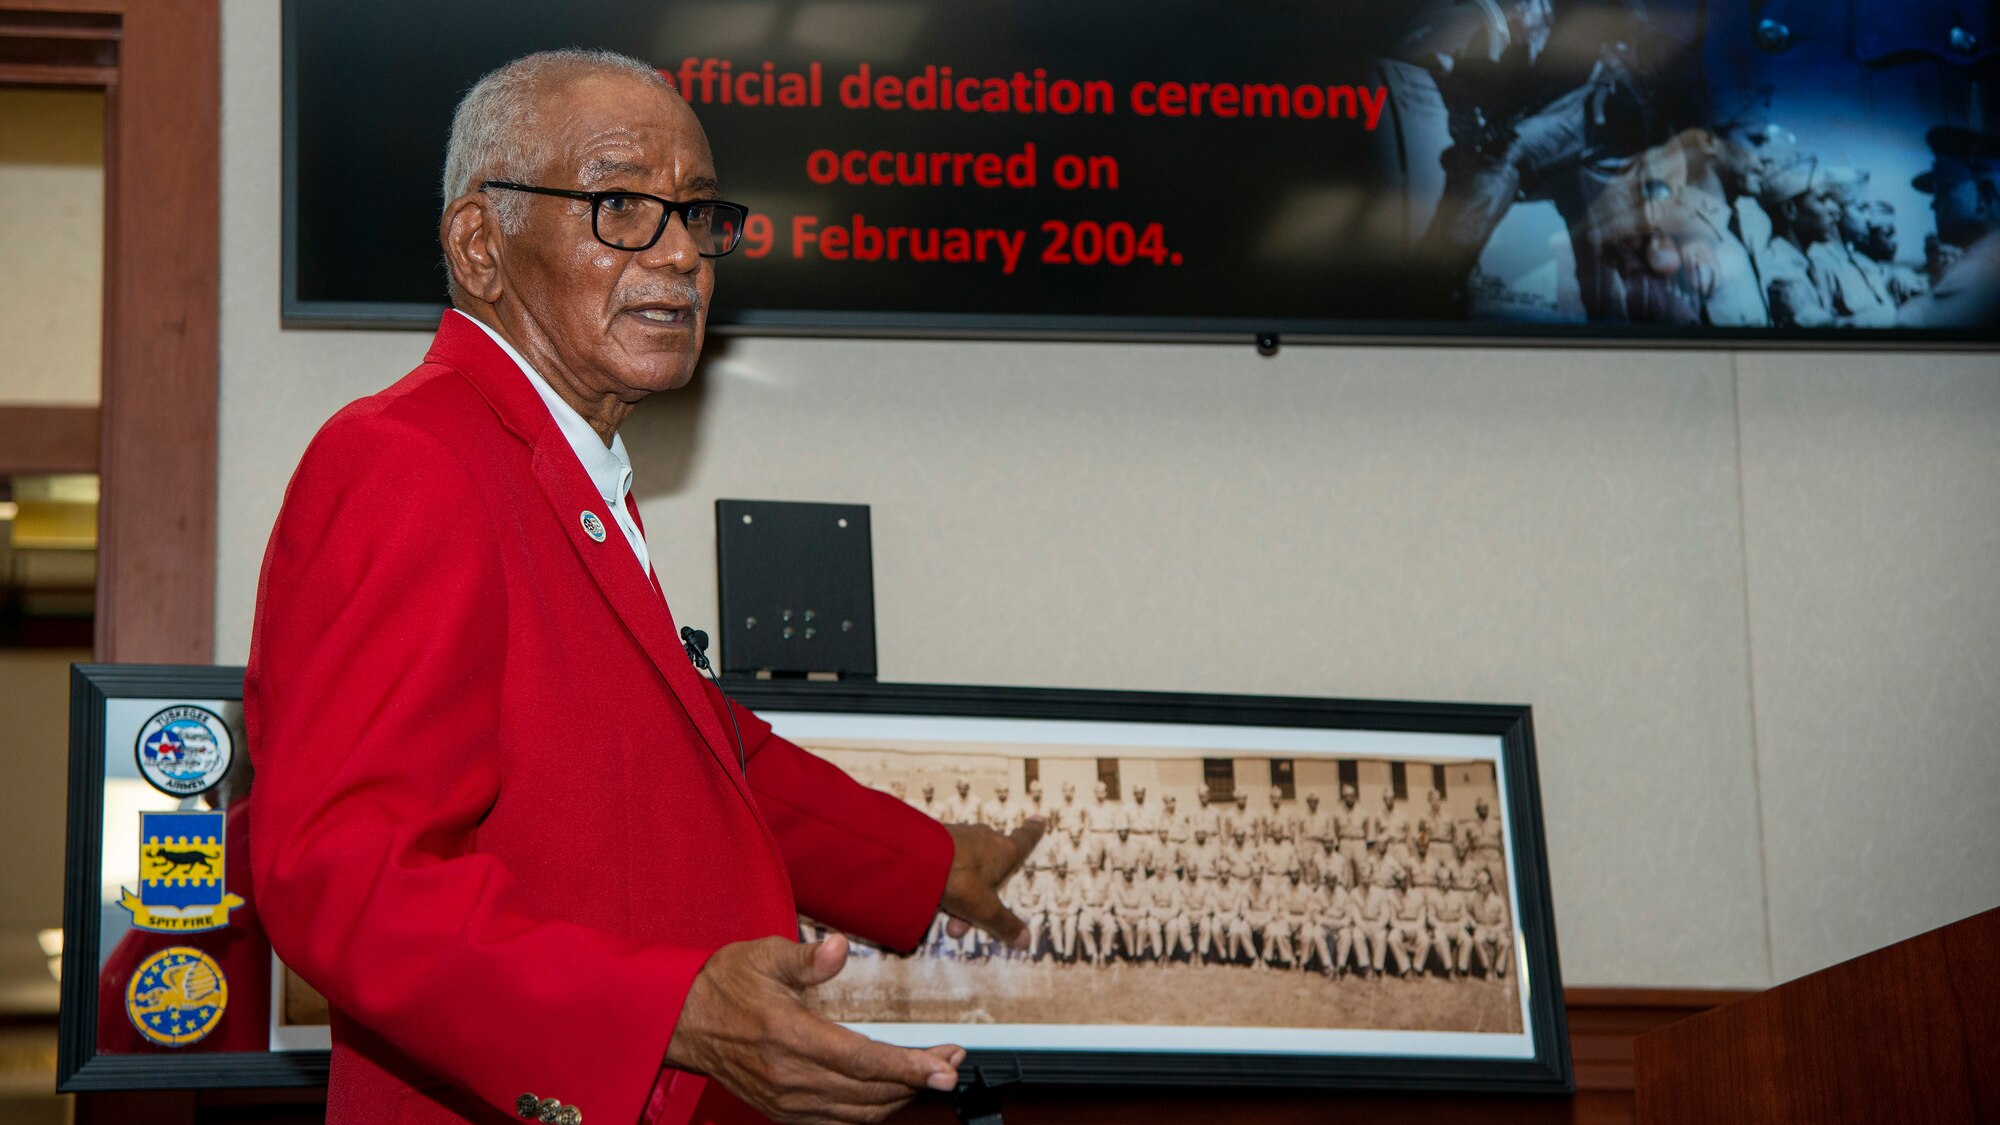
{"x": 1910, "y": 1033}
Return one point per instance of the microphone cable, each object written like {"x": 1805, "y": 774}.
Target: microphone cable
{"x": 695, "y": 642}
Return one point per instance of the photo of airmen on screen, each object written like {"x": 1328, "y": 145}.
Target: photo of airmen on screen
{"x": 1239, "y": 891}
{"x": 1728, "y": 165}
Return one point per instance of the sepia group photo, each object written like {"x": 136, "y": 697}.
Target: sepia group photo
{"x": 1207, "y": 888}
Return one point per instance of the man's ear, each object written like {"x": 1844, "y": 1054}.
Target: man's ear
{"x": 470, "y": 234}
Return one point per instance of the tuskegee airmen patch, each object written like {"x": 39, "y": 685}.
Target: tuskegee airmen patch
{"x": 184, "y": 750}
{"x": 181, "y": 870}
{"x": 593, "y": 527}
{"x": 176, "y": 996}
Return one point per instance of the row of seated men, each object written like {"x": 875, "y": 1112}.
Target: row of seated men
{"x": 1263, "y": 922}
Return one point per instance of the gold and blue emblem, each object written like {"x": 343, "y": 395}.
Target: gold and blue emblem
{"x": 176, "y": 996}
{"x": 184, "y": 750}
{"x": 181, "y": 870}
{"x": 593, "y": 527}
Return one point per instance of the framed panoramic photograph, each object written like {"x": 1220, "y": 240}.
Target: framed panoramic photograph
{"x": 1230, "y": 891}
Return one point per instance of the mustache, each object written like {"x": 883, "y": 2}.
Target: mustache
{"x": 686, "y": 295}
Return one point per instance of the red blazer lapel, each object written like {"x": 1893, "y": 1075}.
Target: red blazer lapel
{"x": 567, "y": 488}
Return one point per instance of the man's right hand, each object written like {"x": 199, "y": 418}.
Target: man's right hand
{"x": 746, "y": 1024}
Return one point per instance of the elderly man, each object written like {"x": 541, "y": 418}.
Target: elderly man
{"x": 536, "y": 863}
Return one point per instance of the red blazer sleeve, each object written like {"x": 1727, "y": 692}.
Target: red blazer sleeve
{"x": 373, "y": 701}
{"x": 859, "y": 860}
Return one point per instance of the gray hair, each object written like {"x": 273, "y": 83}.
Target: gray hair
{"x": 493, "y": 134}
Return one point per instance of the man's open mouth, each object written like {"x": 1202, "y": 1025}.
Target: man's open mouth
{"x": 657, "y": 314}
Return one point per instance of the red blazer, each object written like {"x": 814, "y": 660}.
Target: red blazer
{"x": 500, "y": 822}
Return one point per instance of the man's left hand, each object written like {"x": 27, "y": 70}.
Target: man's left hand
{"x": 981, "y": 862}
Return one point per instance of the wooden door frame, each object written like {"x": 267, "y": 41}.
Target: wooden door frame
{"x": 159, "y": 64}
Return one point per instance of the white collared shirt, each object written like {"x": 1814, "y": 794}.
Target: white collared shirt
{"x": 608, "y": 466}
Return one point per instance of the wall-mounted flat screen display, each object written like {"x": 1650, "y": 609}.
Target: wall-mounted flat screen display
{"x": 1734, "y": 171}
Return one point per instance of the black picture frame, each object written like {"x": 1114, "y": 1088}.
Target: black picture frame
{"x": 1548, "y": 1071}
{"x": 80, "y": 1067}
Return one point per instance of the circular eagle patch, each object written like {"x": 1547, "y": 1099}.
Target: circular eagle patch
{"x": 184, "y": 750}
{"x": 176, "y": 996}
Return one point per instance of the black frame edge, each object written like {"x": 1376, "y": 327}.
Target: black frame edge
{"x": 79, "y": 1068}
{"x": 1551, "y": 1071}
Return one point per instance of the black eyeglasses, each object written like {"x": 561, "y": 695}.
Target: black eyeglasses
{"x": 633, "y": 220}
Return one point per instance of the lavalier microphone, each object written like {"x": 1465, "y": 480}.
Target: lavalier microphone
{"x": 695, "y": 643}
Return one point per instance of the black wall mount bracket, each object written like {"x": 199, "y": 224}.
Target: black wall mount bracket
{"x": 795, "y": 583}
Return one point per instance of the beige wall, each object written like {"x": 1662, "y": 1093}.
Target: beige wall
{"x": 52, "y": 231}
{"x": 51, "y": 271}
{"x": 1736, "y": 589}
{"x": 34, "y": 713}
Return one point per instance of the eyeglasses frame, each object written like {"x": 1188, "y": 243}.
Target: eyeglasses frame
{"x": 670, "y": 209}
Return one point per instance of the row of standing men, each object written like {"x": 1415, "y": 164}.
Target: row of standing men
{"x": 1361, "y": 837}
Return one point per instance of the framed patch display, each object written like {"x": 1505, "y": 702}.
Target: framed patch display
{"x": 166, "y": 974}
{"x": 1230, "y": 891}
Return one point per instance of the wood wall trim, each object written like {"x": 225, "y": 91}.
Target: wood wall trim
{"x": 1603, "y": 1024}
{"x": 60, "y": 48}
{"x": 48, "y": 439}
{"x": 1690, "y": 999}
{"x": 57, "y": 75}
{"x": 162, "y": 256}
{"x": 102, "y": 7}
